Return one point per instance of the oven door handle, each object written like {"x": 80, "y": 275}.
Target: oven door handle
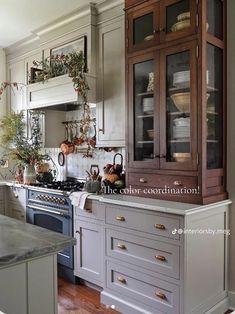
{"x": 47, "y": 210}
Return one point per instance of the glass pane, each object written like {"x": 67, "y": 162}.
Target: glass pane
{"x": 178, "y": 131}
{"x": 214, "y": 107}
{"x": 143, "y": 29}
{"x": 178, "y": 16}
{"x": 48, "y": 222}
{"x": 215, "y": 18}
{"x": 144, "y": 110}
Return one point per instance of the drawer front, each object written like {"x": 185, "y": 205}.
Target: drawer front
{"x": 150, "y": 254}
{"x": 160, "y": 181}
{"x": 156, "y": 224}
{"x": 152, "y": 292}
{"x": 92, "y": 209}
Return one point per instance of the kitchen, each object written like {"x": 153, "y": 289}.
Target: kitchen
{"x": 113, "y": 133}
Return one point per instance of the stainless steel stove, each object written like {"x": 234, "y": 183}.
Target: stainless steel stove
{"x": 49, "y": 206}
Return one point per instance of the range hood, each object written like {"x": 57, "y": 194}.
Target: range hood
{"x": 58, "y": 94}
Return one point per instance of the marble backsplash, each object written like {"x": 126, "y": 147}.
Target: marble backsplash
{"x": 76, "y": 165}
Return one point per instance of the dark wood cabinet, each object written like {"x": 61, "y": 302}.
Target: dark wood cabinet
{"x": 176, "y": 137}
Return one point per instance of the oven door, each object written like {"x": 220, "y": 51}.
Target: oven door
{"x": 54, "y": 220}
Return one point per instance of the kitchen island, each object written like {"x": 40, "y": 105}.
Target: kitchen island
{"x": 28, "y": 267}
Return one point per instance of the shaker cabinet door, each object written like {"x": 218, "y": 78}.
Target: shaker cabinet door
{"x": 111, "y": 86}
{"x": 89, "y": 252}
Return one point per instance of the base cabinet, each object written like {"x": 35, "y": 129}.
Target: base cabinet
{"x": 151, "y": 267}
{"x": 16, "y": 203}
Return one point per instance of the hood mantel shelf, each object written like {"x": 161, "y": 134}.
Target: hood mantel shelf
{"x": 57, "y": 92}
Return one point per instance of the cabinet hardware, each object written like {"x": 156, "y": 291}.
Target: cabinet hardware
{"x": 178, "y": 183}
{"x": 122, "y": 280}
{"x": 162, "y": 156}
{"x": 77, "y": 231}
{"x": 197, "y": 158}
{"x": 121, "y": 246}
{"x": 160, "y": 258}
{"x": 88, "y": 210}
{"x": 101, "y": 130}
{"x": 155, "y": 31}
{"x": 160, "y": 226}
{"x": 143, "y": 180}
{"x": 197, "y": 51}
{"x": 161, "y": 295}
{"x": 120, "y": 218}
{"x": 163, "y": 29}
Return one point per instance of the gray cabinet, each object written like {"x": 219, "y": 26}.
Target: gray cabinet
{"x": 16, "y": 202}
{"x": 89, "y": 250}
{"x": 151, "y": 268}
{"x": 110, "y": 110}
{"x": 2, "y": 200}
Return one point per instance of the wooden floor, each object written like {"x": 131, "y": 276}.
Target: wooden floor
{"x": 79, "y": 299}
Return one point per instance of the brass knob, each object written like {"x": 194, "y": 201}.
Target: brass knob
{"x": 121, "y": 246}
{"x": 122, "y": 280}
{"x": 161, "y": 295}
{"x": 120, "y": 218}
{"x": 161, "y": 258}
{"x": 143, "y": 180}
{"x": 178, "y": 183}
{"x": 160, "y": 226}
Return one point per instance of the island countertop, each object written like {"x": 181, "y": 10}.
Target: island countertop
{"x": 21, "y": 241}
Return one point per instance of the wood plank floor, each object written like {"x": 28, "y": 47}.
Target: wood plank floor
{"x": 79, "y": 299}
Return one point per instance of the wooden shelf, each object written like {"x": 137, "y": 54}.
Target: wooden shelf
{"x": 145, "y": 142}
{"x": 212, "y": 112}
{"x": 180, "y": 141}
{"x": 212, "y": 141}
{"x": 175, "y": 113}
{"x": 145, "y": 94}
{"x": 145, "y": 116}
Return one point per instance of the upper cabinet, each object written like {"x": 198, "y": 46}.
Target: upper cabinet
{"x": 176, "y": 99}
{"x": 111, "y": 84}
{"x": 155, "y": 22}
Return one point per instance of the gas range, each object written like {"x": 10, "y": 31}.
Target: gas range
{"x": 59, "y": 187}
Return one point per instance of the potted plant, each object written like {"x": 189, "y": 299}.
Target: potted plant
{"x": 19, "y": 147}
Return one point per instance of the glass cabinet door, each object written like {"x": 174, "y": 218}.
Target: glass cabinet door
{"x": 143, "y": 111}
{"x": 178, "y": 146}
{"x": 215, "y": 18}
{"x": 214, "y": 107}
{"x": 178, "y": 19}
{"x": 143, "y": 25}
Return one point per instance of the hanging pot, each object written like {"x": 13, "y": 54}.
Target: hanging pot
{"x": 67, "y": 147}
{"x": 29, "y": 174}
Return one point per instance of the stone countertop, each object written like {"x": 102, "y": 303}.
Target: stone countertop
{"x": 21, "y": 241}
{"x": 156, "y": 205}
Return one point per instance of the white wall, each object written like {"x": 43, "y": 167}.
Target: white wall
{"x": 231, "y": 136}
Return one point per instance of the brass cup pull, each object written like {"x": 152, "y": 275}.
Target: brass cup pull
{"x": 88, "y": 210}
{"x": 122, "y": 280}
{"x": 161, "y": 295}
{"x": 121, "y": 246}
{"x": 160, "y": 226}
{"x": 160, "y": 258}
{"x": 120, "y": 218}
{"x": 178, "y": 183}
{"x": 143, "y": 180}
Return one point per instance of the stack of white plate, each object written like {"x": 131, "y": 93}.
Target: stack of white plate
{"x": 181, "y": 128}
{"x": 148, "y": 105}
{"x": 181, "y": 79}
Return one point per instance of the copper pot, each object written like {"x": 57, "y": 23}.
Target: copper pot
{"x": 67, "y": 147}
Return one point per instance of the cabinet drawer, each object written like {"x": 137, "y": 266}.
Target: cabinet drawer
{"x": 17, "y": 195}
{"x": 160, "y": 181}
{"x": 155, "y": 293}
{"x": 161, "y": 225}
{"x": 150, "y": 254}
{"x": 92, "y": 210}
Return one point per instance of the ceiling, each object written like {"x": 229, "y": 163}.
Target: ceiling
{"x": 19, "y": 18}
